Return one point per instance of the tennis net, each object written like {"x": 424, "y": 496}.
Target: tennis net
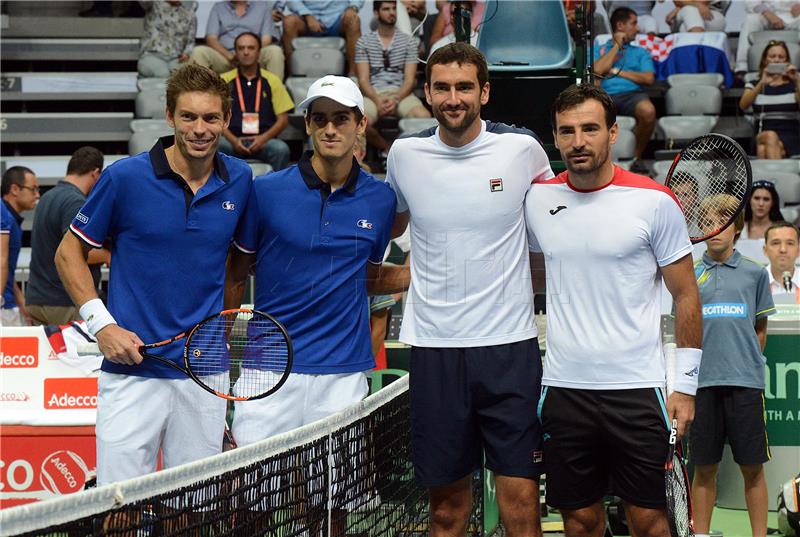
{"x": 350, "y": 474}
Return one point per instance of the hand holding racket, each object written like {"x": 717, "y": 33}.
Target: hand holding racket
{"x": 676, "y": 481}
{"x": 236, "y": 354}
{"x": 712, "y": 178}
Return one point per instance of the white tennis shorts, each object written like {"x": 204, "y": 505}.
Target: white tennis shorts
{"x": 137, "y": 416}
{"x": 301, "y": 400}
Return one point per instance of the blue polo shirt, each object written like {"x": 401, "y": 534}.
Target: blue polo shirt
{"x": 168, "y": 245}
{"x": 11, "y": 225}
{"x": 312, "y": 247}
{"x": 735, "y": 294}
{"x": 630, "y": 58}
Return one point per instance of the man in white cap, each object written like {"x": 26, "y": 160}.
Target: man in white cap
{"x": 316, "y": 233}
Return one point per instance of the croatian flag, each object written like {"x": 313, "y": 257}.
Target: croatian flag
{"x": 686, "y": 52}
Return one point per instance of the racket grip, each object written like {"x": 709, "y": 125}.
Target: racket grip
{"x": 88, "y": 349}
{"x": 671, "y": 366}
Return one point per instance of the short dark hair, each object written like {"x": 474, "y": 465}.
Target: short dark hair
{"x": 377, "y": 4}
{"x": 778, "y": 225}
{"x": 356, "y": 112}
{"x": 192, "y": 77}
{"x": 15, "y": 175}
{"x": 251, "y": 34}
{"x": 85, "y": 160}
{"x": 621, "y": 14}
{"x": 460, "y": 53}
{"x": 578, "y": 94}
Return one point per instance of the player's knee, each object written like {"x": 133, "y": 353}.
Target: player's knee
{"x": 450, "y": 516}
{"x": 704, "y": 473}
{"x": 751, "y": 472}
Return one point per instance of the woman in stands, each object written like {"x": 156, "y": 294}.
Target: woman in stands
{"x": 762, "y": 210}
{"x": 775, "y": 100}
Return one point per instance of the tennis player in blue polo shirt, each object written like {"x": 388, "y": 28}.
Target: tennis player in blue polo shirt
{"x": 171, "y": 215}
{"x": 317, "y": 232}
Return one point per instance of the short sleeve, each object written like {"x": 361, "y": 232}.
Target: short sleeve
{"x": 540, "y": 164}
{"x": 246, "y": 236}
{"x": 281, "y": 101}
{"x": 68, "y": 215}
{"x": 669, "y": 237}
{"x": 95, "y": 220}
{"x": 391, "y": 180}
{"x": 765, "y": 305}
{"x": 412, "y": 52}
{"x": 361, "y": 50}
{"x": 533, "y": 242}
{"x": 384, "y": 233}
{"x": 5, "y": 222}
{"x": 213, "y": 24}
{"x": 646, "y": 64}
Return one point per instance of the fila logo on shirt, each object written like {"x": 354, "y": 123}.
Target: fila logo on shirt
{"x": 364, "y": 224}
{"x": 228, "y": 205}
{"x": 496, "y": 185}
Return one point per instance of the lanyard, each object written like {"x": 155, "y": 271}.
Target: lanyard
{"x": 241, "y": 97}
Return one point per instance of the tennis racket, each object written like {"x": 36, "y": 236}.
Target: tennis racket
{"x": 676, "y": 481}
{"x": 237, "y": 354}
{"x": 711, "y": 178}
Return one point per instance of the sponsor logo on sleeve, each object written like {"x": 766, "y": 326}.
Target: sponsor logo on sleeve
{"x": 82, "y": 218}
{"x": 724, "y": 309}
{"x": 19, "y": 352}
{"x": 70, "y": 393}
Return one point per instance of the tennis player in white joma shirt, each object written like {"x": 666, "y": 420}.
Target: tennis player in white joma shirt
{"x": 475, "y": 363}
{"x": 608, "y": 237}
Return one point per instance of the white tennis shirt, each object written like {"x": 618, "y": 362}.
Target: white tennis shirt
{"x": 470, "y": 273}
{"x": 603, "y": 249}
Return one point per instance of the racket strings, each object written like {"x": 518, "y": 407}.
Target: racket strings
{"x": 239, "y": 353}
{"x": 710, "y": 180}
{"x": 677, "y": 490}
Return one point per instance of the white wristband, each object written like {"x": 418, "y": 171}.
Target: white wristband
{"x": 96, "y": 316}
{"x": 687, "y": 370}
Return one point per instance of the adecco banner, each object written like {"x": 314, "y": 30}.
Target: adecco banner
{"x": 36, "y": 388}
{"x": 34, "y": 468}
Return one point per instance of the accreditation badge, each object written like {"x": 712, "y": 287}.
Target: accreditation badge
{"x": 250, "y": 123}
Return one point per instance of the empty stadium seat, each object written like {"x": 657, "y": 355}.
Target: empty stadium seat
{"x": 317, "y": 62}
{"x": 693, "y": 100}
{"x": 765, "y": 167}
{"x": 298, "y": 87}
{"x": 336, "y": 43}
{"x": 627, "y": 123}
{"x": 790, "y": 214}
{"x": 787, "y": 36}
{"x": 151, "y": 103}
{"x": 685, "y": 127}
{"x": 696, "y": 79}
{"x": 661, "y": 169}
{"x": 625, "y": 148}
{"x": 416, "y": 124}
{"x": 787, "y": 185}
{"x": 754, "y": 53}
{"x": 151, "y": 83}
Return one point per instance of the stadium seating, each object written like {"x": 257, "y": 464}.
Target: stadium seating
{"x": 693, "y": 100}
{"x": 787, "y": 36}
{"x": 335, "y": 43}
{"x": 661, "y": 169}
{"x": 260, "y": 168}
{"x": 754, "y": 54}
{"x": 33, "y": 49}
{"x": 416, "y": 124}
{"x": 627, "y": 123}
{"x": 625, "y": 147}
{"x": 151, "y": 103}
{"x": 72, "y": 86}
{"x": 317, "y": 62}
{"x": 145, "y": 132}
{"x": 67, "y": 127}
{"x": 696, "y": 79}
{"x": 677, "y": 128}
{"x": 764, "y": 167}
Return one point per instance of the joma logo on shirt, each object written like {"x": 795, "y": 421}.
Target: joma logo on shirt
{"x": 724, "y": 310}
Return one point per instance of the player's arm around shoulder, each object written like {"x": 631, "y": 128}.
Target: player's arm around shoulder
{"x": 680, "y": 280}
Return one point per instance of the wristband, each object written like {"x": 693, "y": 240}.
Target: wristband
{"x": 96, "y": 316}
{"x": 687, "y": 370}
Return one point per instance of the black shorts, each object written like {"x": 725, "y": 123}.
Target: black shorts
{"x": 626, "y": 102}
{"x": 729, "y": 412}
{"x": 599, "y": 442}
{"x": 465, "y": 401}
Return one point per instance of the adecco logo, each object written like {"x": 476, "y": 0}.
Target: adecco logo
{"x": 70, "y": 393}
{"x": 16, "y": 352}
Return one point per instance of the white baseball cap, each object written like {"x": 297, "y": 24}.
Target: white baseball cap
{"x": 339, "y": 88}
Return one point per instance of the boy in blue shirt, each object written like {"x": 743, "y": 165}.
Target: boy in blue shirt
{"x": 730, "y": 398}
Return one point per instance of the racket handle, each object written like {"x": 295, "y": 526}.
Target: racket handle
{"x": 88, "y": 349}
{"x": 670, "y": 364}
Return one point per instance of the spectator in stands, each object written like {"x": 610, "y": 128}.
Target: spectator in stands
{"x": 260, "y": 106}
{"x": 386, "y": 63}
{"x": 698, "y": 16}
{"x": 782, "y": 248}
{"x": 764, "y": 15}
{"x": 228, "y": 20}
{"x": 762, "y": 210}
{"x": 20, "y": 192}
{"x": 624, "y": 68}
{"x": 644, "y": 13}
{"x": 169, "y": 32}
{"x": 443, "y": 27}
{"x": 47, "y": 300}
{"x": 324, "y": 18}
{"x": 775, "y": 99}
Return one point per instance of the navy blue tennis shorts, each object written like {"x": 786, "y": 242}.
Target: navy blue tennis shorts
{"x": 469, "y": 401}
